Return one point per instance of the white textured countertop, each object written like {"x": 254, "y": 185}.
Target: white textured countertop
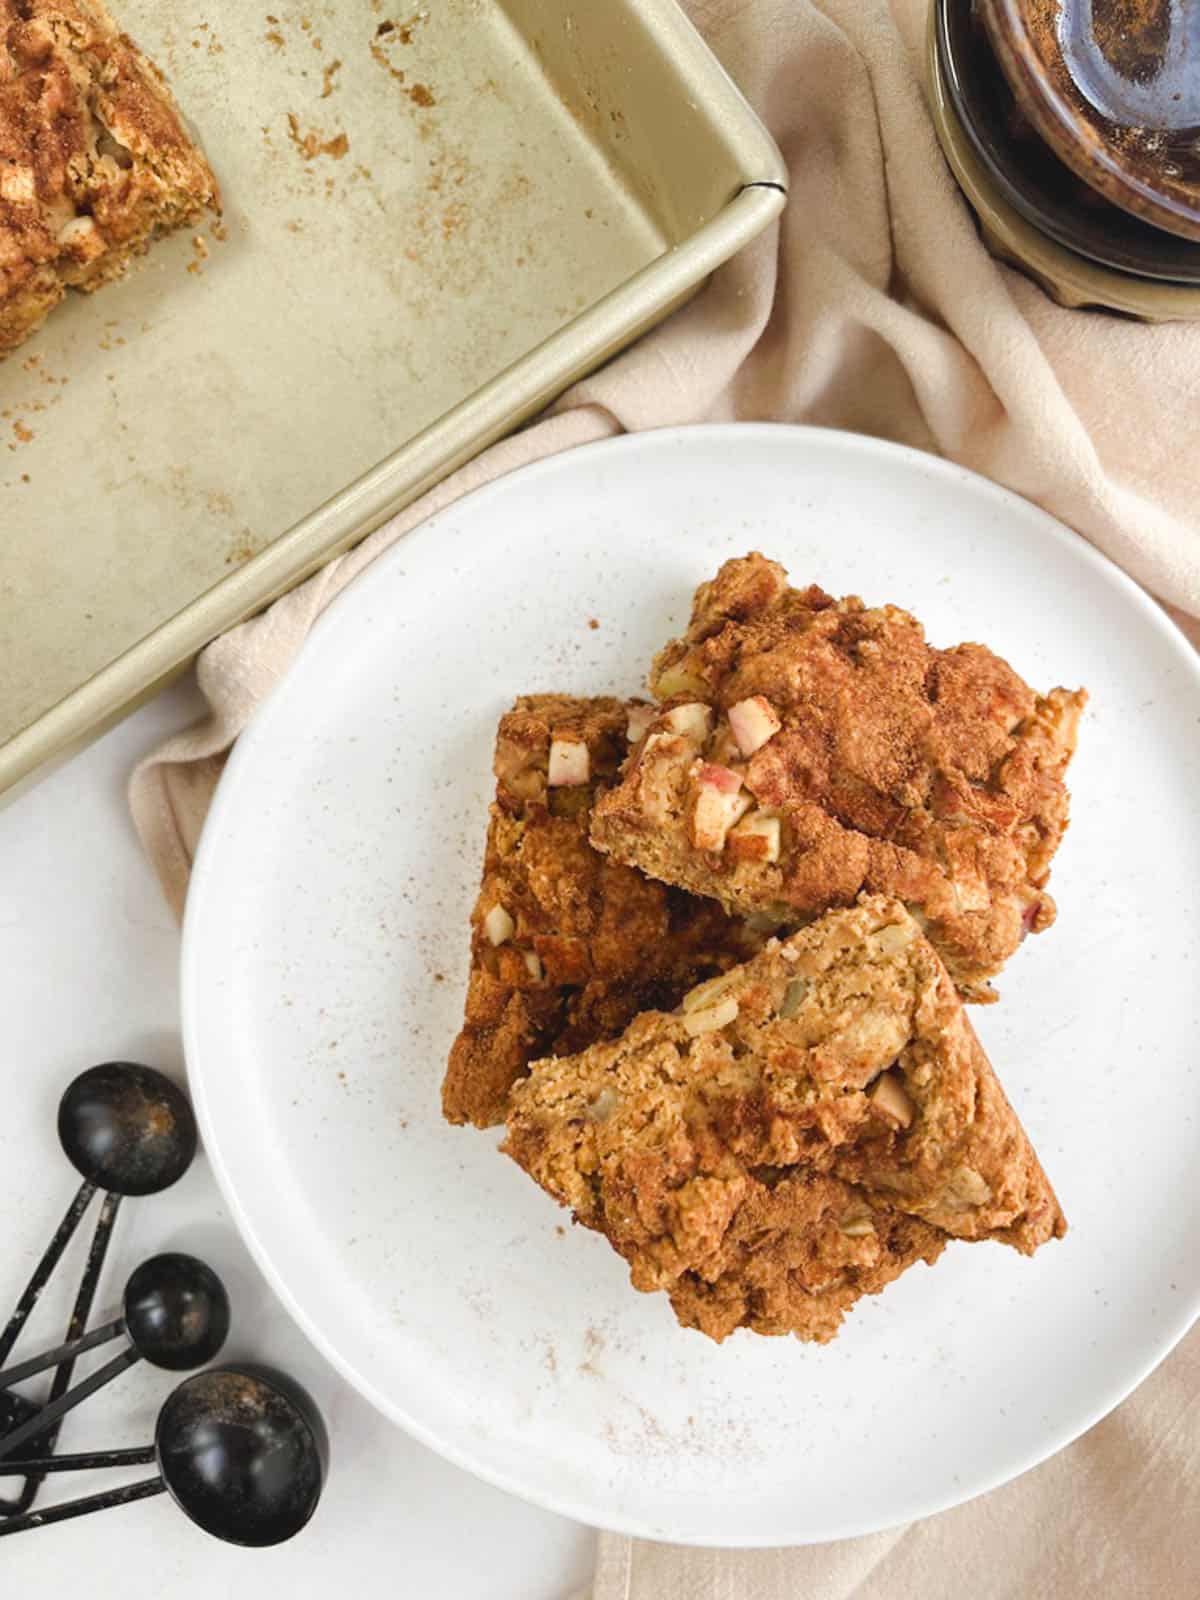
{"x": 88, "y": 959}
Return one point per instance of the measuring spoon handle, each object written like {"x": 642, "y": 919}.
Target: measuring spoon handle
{"x": 82, "y": 1461}
{"x": 80, "y": 1313}
{"x": 51, "y": 1358}
{"x": 73, "y": 1397}
{"x": 83, "y": 1507}
{"x": 41, "y": 1273}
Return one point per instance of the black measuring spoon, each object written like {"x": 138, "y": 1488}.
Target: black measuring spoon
{"x": 176, "y": 1315}
{"x": 242, "y": 1451}
{"x": 127, "y": 1130}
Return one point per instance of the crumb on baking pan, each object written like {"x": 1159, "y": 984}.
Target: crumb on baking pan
{"x": 200, "y": 252}
{"x": 402, "y": 32}
{"x": 389, "y": 34}
{"x": 311, "y": 144}
{"x": 380, "y": 54}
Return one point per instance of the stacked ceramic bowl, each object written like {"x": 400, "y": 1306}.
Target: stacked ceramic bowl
{"x": 1073, "y": 127}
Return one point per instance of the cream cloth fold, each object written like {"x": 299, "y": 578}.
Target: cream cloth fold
{"x": 870, "y": 306}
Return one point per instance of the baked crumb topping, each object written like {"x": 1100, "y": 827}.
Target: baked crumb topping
{"x": 566, "y": 946}
{"x": 810, "y": 749}
{"x": 797, "y": 1133}
{"x": 94, "y": 157}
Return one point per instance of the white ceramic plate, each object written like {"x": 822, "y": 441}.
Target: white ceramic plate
{"x": 324, "y": 964}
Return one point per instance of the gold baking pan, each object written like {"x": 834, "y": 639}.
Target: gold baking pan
{"x": 436, "y": 218}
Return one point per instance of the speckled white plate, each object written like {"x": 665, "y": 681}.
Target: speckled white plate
{"x": 324, "y": 963}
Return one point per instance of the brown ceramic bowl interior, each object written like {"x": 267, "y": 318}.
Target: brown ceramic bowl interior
{"x": 1045, "y": 191}
{"x": 1113, "y": 86}
{"x": 1066, "y": 276}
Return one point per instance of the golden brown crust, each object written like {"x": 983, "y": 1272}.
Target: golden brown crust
{"x": 94, "y": 157}
{"x": 932, "y": 775}
{"x": 786, "y": 1264}
{"x": 800, "y": 1131}
{"x": 608, "y": 943}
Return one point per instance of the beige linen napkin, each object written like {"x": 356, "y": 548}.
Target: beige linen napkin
{"x": 870, "y": 306}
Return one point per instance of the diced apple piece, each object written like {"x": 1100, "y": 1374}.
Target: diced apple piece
{"x": 709, "y": 1018}
{"x": 723, "y": 779}
{"x": 719, "y": 804}
{"x": 498, "y": 925}
{"x": 968, "y": 1188}
{"x": 890, "y": 1096}
{"x": 18, "y": 185}
{"x": 709, "y": 992}
{"x": 603, "y": 1106}
{"x": 756, "y": 838}
{"x": 82, "y": 238}
{"x": 1037, "y": 915}
{"x": 971, "y": 894}
{"x": 678, "y": 680}
{"x": 793, "y": 998}
{"x": 533, "y": 965}
{"x": 857, "y": 1225}
{"x": 640, "y": 718}
{"x": 569, "y": 764}
{"x": 692, "y": 721}
{"x": 753, "y": 722}
{"x": 891, "y": 940}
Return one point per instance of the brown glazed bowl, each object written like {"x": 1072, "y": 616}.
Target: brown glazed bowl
{"x": 1045, "y": 191}
{"x": 1113, "y": 87}
{"x": 1066, "y": 275}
